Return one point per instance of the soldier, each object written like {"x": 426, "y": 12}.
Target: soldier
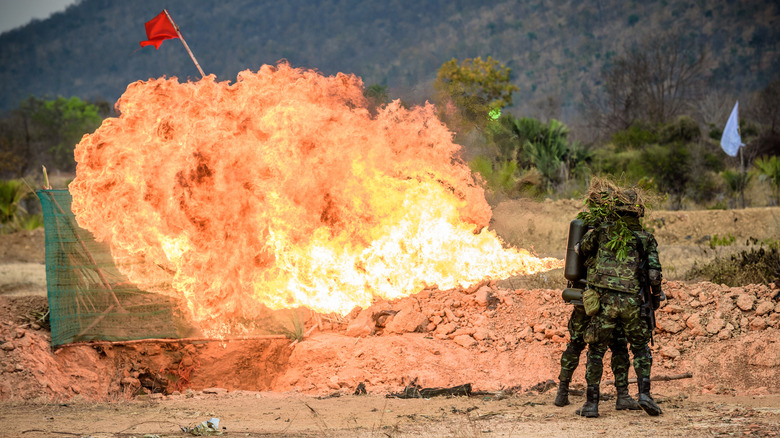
{"x": 614, "y": 251}
{"x": 571, "y": 358}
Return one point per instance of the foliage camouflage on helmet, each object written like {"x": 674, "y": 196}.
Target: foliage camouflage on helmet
{"x": 604, "y": 193}
{"x": 606, "y": 202}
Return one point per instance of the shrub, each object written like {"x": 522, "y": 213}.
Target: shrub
{"x": 758, "y": 265}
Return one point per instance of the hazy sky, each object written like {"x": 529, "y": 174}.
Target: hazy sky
{"x": 15, "y": 13}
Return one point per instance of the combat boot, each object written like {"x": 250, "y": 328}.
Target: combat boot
{"x": 624, "y": 400}
{"x": 562, "y": 397}
{"x": 591, "y": 407}
{"x": 645, "y": 401}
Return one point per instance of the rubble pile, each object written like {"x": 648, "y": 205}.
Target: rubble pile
{"x": 489, "y": 336}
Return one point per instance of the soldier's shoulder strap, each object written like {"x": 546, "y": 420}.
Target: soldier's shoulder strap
{"x": 640, "y": 247}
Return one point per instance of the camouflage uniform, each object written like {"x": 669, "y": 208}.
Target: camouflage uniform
{"x": 570, "y": 358}
{"x": 617, "y": 283}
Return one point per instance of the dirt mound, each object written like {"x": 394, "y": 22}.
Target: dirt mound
{"x": 493, "y": 338}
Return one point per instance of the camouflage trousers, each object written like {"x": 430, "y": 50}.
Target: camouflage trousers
{"x": 570, "y": 358}
{"x": 617, "y": 309}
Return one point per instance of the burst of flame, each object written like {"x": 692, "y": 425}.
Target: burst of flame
{"x": 281, "y": 189}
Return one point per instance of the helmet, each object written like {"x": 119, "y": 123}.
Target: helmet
{"x": 628, "y": 204}
{"x": 624, "y": 202}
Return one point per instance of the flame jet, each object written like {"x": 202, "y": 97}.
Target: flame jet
{"x": 282, "y": 190}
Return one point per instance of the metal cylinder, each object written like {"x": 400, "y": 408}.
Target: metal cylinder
{"x": 573, "y": 265}
{"x": 572, "y": 295}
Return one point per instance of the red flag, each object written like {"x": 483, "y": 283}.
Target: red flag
{"x": 159, "y": 29}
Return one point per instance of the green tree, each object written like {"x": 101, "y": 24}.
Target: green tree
{"x": 469, "y": 90}
{"x": 670, "y": 162}
{"x": 377, "y": 96}
{"x": 64, "y": 122}
{"x": 669, "y": 166}
{"x": 44, "y": 131}
{"x": 768, "y": 169}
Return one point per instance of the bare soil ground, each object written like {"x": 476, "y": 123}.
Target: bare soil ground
{"x": 503, "y": 337}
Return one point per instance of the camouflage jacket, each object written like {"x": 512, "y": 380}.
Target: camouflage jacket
{"x": 604, "y": 269}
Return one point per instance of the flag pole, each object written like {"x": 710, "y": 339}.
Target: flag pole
{"x": 178, "y": 32}
{"x": 744, "y": 174}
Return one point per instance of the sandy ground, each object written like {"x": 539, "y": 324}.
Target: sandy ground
{"x": 504, "y": 338}
{"x": 272, "y": 414}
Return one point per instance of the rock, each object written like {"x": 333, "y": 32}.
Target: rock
{"x": 481, "y": 334}
{"x": 526, "y": 334}
{"x": 764, "y": 307}
{"x": 745, "y": 302}
{"x": 694, "y": 323}
{"x": 7, "y": 346}
{"x": 669, "y": 326}
{"x": 465, "y": 341}
{"x": 485, "y": 297}
{"x": 540, "y": 328}
{"x": 480, "y": 321}
{"x": 130, "y": 383}
{"x": 450, "y": 316}
{"x": 408, "y": 320}
{"x": 669, "y": 352}
{"x": 463, "y": 331}
{"x": 506, "y": 299}
{"x": 482, "y": 292}
{"x": 725, "y": 305}
{"x": 758, "y": 323}
{"x": 673, "y": 308}
{"x": 715, "y": 325}
{"x": 724, "y": 334}
{"x": 363, "y": 325}
{"x": 445, "y": 329}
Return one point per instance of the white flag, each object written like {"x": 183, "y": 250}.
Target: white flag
{"x": 730, "y": 142}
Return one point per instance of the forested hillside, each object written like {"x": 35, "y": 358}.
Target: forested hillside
{"x": 555, "y": 49}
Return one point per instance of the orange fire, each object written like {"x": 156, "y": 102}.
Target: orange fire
{"x": 282, "y": 190}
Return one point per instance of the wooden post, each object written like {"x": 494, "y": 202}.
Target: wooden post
{"x": 178, "y": 32}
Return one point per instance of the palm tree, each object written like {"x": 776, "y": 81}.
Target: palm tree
{"x": 547, "y": 147}
{"x": 736, "y": 182}
{"x": 11, "y": 194}
{"x": 769, "y": 170}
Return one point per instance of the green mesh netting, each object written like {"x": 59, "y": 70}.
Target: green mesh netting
{"x": 89, "y": 299}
